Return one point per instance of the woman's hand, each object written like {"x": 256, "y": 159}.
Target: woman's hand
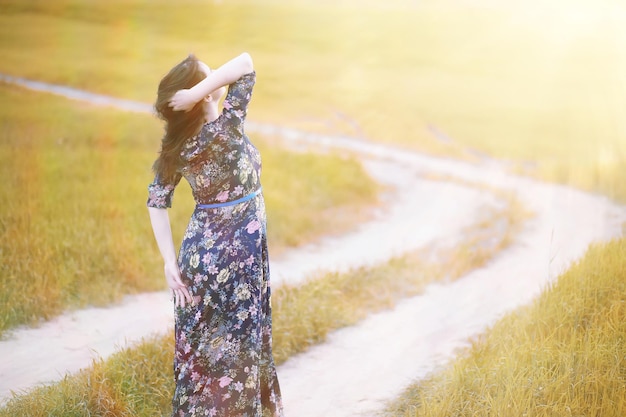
{"x": 183, "y": 100}
{"x": 180, "y": 293}
{"x": 163, "y": 233}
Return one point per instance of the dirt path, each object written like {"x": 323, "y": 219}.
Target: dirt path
{"x": 424, "y": 332}
{"x": 405, "y": 343}
{"x": 73, "y": 340}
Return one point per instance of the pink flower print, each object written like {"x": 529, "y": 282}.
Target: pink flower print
{"x": 195, "y": 376}
{"x": 238, "y": 190}
{"x": 253, "y": 226}
{"x": 222, "y": 196}
{"x": 212, "y": 269}
{"x": 187, "y": 348}
{"x": 225, "y": 380}
{"x": 250, "y": 260}
{"x": 238, "y": 386}
{"x": 253, "y": 310}
{"x": 227, "y": 105}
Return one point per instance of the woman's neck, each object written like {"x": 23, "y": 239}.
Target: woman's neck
{"x": 211, "y": 111}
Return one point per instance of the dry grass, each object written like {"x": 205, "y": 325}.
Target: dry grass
{"x": 311, "y": 194}
{"x": 305, "y": 314}
{"x": 131, "y": 383}
{"x": 138, "y": 381}
{"x": 73, "y": 225}
{"x": 561, "y": 356}
{"x": 540, "y": 83}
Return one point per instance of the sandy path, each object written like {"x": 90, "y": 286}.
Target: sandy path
{"x": 424, "y": 332}
{"x": 404, "y": 343}
{"x": 70, "y": 342}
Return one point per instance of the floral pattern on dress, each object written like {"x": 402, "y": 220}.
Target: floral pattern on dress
{"x": 223, "y": 363}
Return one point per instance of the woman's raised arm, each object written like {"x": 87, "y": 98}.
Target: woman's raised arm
{"x": 184, "y": 100}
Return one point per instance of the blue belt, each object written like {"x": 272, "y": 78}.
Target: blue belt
{"x": 231, "y": 203}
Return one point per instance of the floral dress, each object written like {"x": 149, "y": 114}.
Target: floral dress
{"x": 223, "y": 363}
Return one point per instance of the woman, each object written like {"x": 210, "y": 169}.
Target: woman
{"x": 223, "y": 364}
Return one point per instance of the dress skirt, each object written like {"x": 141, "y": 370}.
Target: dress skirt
{"x": 223, "y": 364}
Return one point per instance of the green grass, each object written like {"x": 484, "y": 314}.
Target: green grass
{"x": 138, "y": 381}
{"x": 537, "y": 82}
{"x": 563, "y": 355}
{"x": 74, "y": 229}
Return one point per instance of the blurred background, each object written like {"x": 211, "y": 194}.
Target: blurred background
{"x": 539, "y": 83}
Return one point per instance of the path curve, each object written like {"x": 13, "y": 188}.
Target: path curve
{"x": 72, "y": 341}
{"x": 423, "y": 331}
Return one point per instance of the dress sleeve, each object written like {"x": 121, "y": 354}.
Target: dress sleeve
{"x": 238, "y": 97}
{"x": 160, "y": 192}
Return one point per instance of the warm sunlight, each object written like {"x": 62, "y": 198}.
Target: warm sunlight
{"x": 442, "y": 209}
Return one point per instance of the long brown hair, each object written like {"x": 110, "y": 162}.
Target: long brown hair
{"x": 179, "y": 125}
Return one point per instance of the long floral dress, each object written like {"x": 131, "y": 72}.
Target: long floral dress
{"x": 223, "y": 364}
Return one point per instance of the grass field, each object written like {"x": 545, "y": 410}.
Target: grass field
{"x": 74, "y": 229}
{"x": 561, "y": 356}
{"x": 138, "y": 381}
{"x": 541, "y": 83}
